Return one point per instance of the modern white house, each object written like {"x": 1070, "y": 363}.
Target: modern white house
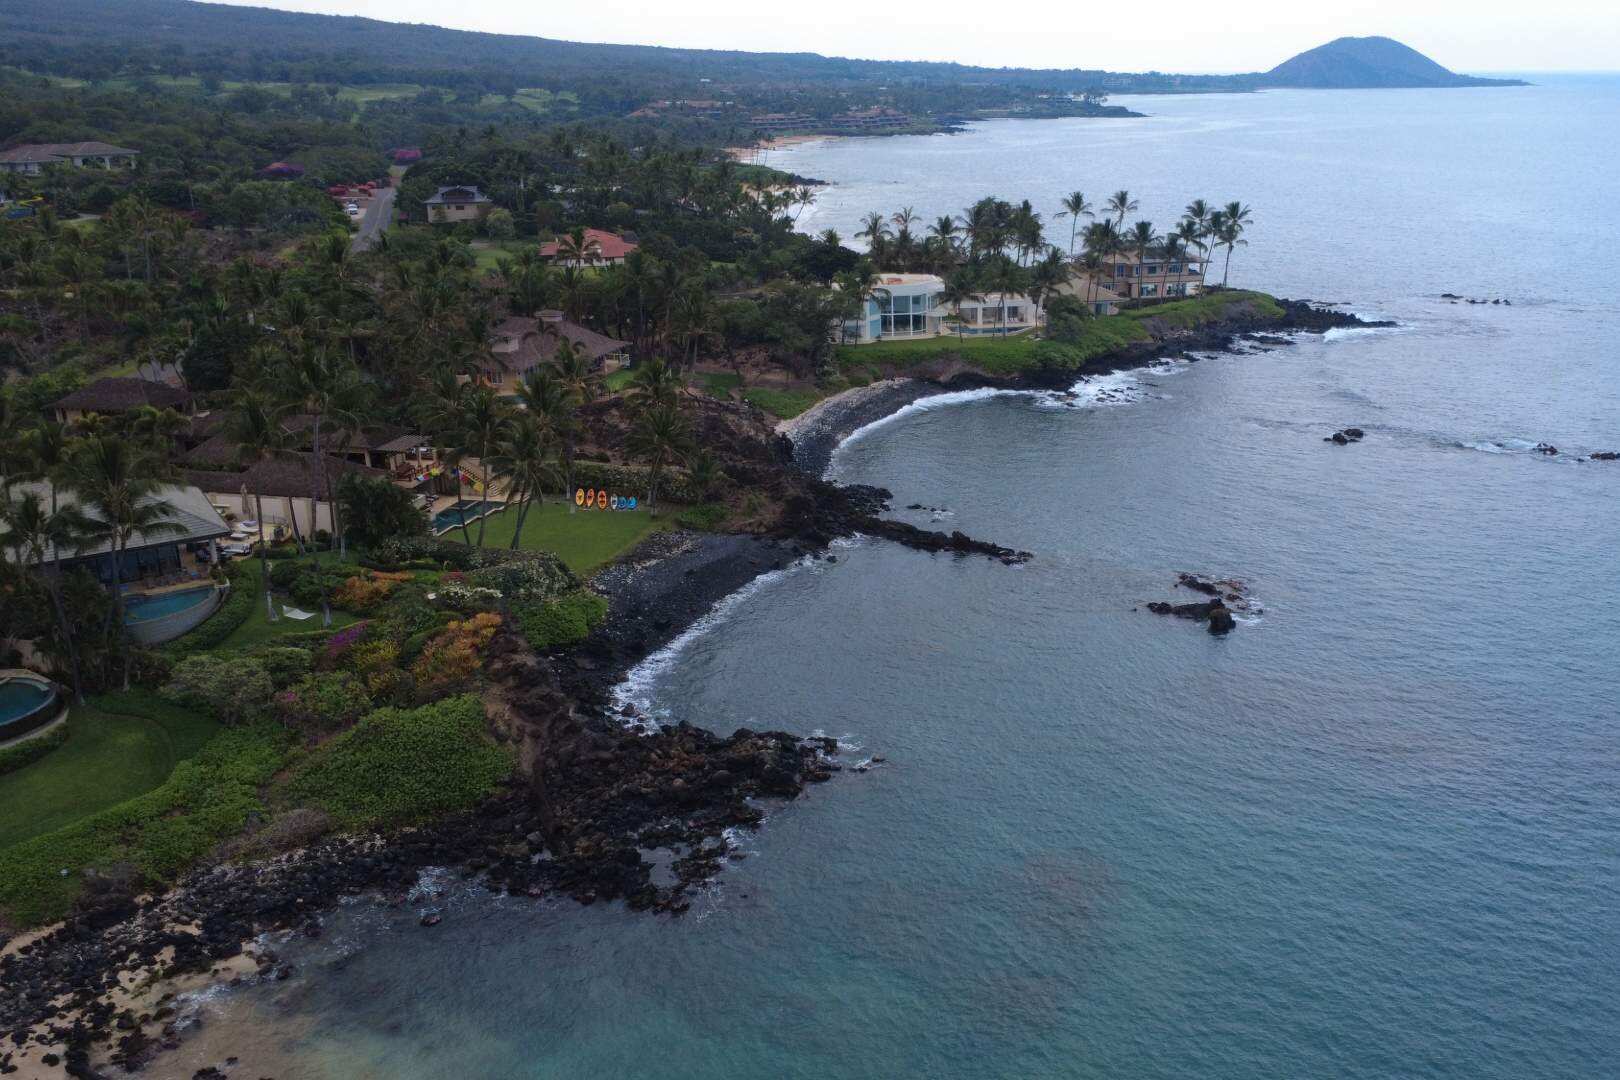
{"x": 905, "y": 306}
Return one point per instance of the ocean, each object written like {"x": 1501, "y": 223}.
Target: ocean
{"x": 1374, "y": 832}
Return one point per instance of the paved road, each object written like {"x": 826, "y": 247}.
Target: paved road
{"x": 376, "y": 220}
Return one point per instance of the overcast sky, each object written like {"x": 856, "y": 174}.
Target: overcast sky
{"x": 1168, "y": 35}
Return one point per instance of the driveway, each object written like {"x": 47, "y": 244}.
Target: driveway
{"x": 376, "y": 219}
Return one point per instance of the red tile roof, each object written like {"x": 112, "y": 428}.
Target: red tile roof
{"x": 604, "y": 245}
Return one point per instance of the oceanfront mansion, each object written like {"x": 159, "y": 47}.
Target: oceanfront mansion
{"x": 905, "y": 306}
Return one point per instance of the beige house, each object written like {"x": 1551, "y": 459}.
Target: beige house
{"x": 33, "y": 158}
{"x": 1094, "y": 291}
{"x": 1130, "y": 277}
{"x": 282, "y": 486}
{"x": 452, "y": 204}
{"x": 520, "y": 344}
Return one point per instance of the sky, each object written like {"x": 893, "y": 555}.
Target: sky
{"x": 1471, "y": 36}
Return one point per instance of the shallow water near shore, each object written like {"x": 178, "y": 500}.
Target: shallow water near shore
{"x": 1374, "y": 832}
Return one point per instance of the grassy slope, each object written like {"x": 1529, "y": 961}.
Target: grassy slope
{"x": 119, "y": 746}
{"x": 583, "y": 540}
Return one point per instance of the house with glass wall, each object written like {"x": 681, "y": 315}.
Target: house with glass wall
{"x": 905, "y": 306}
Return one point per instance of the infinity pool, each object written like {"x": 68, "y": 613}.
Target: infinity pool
{"x": 145, "y": 608}
{"x": 463, "y": 512}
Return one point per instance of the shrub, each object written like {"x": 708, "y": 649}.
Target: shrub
{"x": 706, "y": 517}
{"x": 235, "y": 690}
{"x": 451, "y": 658}
{"x": 322, "y": 704}
{"x": 365, "y": 592}
{"x": 413, "y": 645}
{"x": 372, "y": 656}
{"x": 427, "y": 552}
{"x": 339, "y": 643}
{"x": 559, "y": 622}
{"x": 285, "y": 665}
{"x": 399, "y": 766}
{"x": 540, "y": 577}
{"x": 467, "y": 599}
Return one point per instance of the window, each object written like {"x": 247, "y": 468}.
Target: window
{"x": 1153, "y": 270}
{"x": 1150, "y": 290}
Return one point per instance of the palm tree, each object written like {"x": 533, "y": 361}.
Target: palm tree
{"x": 482, "y": 420}
{"x": 653, "y": 384}
{"x": 32, "y": 532}
{"x": 117, "y": 481}
{"x": 960, "y": 288}
{"x": 259, "y": 436}
{"x": 876, "y": 230}
{"x": 1075, "y": 207}
{"x": 547, "y": 401}
{"x": 1142, "y": 240}
{"x": 1234, "y": 217}
{"x": 660, "y": 435}
{"x": 579, "y": 380}
{"x": 573, "y": 249}
{"x": 1007, "y": 278}
{"x": 861, "y": 285}
{"x": 1171, "y": 249}
{"x": 1120, "y": 204}
{"x": 318, "y": 384}
{"x": 1197, "y": 214}
{"x": 41, "y": 452}
{"x": 945, "y": 230}
{"x": 523, "y": 460}
{"x": 1048, "y": 276}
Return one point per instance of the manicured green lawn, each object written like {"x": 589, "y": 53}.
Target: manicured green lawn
{"x": 584, "y": 540}
{"x": 614, "y": 381}
{"x": 118, "y": 746}
{"x": 782, "y": 403}
{"x": 258, "y": 629}
{"x": 719, "y": 383}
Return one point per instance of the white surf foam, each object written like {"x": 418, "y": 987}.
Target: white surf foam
{"x": 637, "y": 688}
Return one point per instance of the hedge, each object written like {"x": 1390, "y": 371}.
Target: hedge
{"x": 26, "y": 753}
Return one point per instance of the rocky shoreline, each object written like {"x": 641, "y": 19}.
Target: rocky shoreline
{"x": 817, "y": 432}
{"x": 593, "y": 792}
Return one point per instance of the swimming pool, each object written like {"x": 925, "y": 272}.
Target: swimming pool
{"x": 26, "y": 701}
{"x": 463, "y": 512}
{"x": 148, "y": 607}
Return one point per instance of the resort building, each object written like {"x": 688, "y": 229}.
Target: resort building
{"x": 597, "y": 248}
{"x": 282, "y": 486}
{"x": 1132, "y": 278}
{"x": 449, "y": 205}
{"x": 520, "y": 344}
{"x": 904, "y": 306}
{"x": 34, "y": 158}
{"x": 161, "y": 555}
{"x": 119, "y": 395}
